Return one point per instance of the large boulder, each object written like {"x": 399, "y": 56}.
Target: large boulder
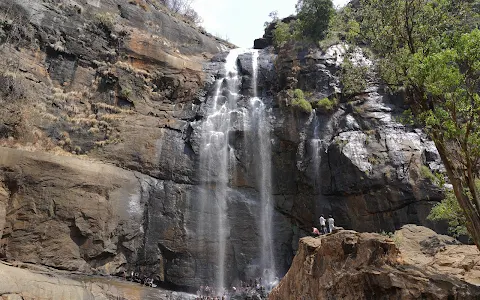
{"x": 352, "y": 265}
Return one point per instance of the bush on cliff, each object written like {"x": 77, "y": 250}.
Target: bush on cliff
{"x": 326, "y": 105}
{"x": 299, "y": 101}
{"x": 353, "y": 78}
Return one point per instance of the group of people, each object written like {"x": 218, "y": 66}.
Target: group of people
{"x": 210, "y": 293}
{"x": 326, "y": 225}
{"x": 139, "y": 278}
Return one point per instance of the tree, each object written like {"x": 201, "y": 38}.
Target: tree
{"x": 431, "y": 49}
{"x": 449, "y": 210}
{"x": 314, "y": 17}
{"x": 184, "y": 8}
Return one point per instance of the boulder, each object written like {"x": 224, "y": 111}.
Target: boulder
{"x": 351, "y": 265}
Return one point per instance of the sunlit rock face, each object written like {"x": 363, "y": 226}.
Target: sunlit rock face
{"x": 109, "y": 173}
{"x": 352, "y": 265}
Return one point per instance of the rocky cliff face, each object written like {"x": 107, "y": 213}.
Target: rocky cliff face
{"x": 351, "y": 265}
{"x": 103, "y": 102}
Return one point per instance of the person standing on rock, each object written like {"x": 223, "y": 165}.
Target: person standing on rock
{"x": 323, "y": 228}
{"x": 331, "y": 223}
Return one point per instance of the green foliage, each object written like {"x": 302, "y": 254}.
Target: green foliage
{"x": 126, "y": 92}
{"x": 353, "y": 78}
{"x": 431, "y": 49}
{"x": 449, "y": 210}
{"x": 284, "y": 33}
{"x": 107, "y": 20}
{"x": 300, "y": 102}
{"x": 427, "y": 174}
{"x": 342, "y": 27}
{"x": 327, "y": 105}
{"x": 314, "y": 18}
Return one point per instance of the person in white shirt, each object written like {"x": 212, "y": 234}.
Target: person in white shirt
{"x": 331, "y": 223}
{"x": 323, "y": 228}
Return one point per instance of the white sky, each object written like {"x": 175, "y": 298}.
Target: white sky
{"x": 241, "y": 21}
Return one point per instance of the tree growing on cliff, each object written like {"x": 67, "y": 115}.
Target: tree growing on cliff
{"x": 314, "y": 17}
{"x": 431, "y": 50}
{"x": 184, "y": 8}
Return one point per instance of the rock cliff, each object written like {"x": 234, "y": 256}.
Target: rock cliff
{"x": 102, "y": 105}
{"x": 351, "y": 265}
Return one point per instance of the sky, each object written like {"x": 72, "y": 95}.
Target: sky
{"x": 241, "y": 21}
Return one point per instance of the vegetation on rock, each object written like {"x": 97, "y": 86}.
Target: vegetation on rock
{"x": 300, "y": 102}
{"x": 327, "y": 105}
{"x": 449, "y": 210}
{"x": 431, "y": 49}
{"x": 353, "y": 78}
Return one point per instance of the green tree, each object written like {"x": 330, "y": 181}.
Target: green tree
{"x": 282, "y": 34}
{"x": 431, "y": 49}
{"x": 449, "y": 210}
{"x": 314, "y": 17}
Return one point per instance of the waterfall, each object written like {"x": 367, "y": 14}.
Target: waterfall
{"x": 214, "y": 160}
{"x": 316, "y": 146}
{"x": 225, "y": 111}
{"x": 261, "y": 128}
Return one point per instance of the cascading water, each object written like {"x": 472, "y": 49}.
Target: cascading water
{"x": 214, "y": 159}
{"x": 316, "y": 146}
{"x": 260, "y": 125}
{"x": 218, "y": 162}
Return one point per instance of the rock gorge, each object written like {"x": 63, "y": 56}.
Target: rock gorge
{"x": 105, "y": 165}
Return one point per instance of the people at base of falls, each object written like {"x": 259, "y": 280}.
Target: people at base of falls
{"x": 331, "y": 223}
{"x": 323, "y": 228}
{"x": 315, "y": 231}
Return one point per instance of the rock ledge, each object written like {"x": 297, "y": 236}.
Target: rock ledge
{"x": 351, "y": 265}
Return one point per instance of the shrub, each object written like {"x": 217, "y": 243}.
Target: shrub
{"x": 427, "y": 174}
{"x": 106, "y": 20}
{"x": 326, "y": 104}
{"x": 353, "y": 78}
{"x": 300, "y": 102}
{"x": 126, "y": 92}
{"x": 449, "y": 210}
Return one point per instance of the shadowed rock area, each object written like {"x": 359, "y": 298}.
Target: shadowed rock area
{"x": 352, "y": 265}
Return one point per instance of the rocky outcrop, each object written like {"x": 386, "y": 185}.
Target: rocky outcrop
{"x": 351, "y": 265}
{"x": 267, "y": 39}
{"x": 423, "y": 248}
{"x": 28, "y": 282}
{"x": 358, "y": 162}
{"x": 71, "y": 214}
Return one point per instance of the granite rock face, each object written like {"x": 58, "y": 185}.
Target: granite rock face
{"x": 351, "y": 265}
{"x": 358, "y": 162}
{"x": 104, "y": 101}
